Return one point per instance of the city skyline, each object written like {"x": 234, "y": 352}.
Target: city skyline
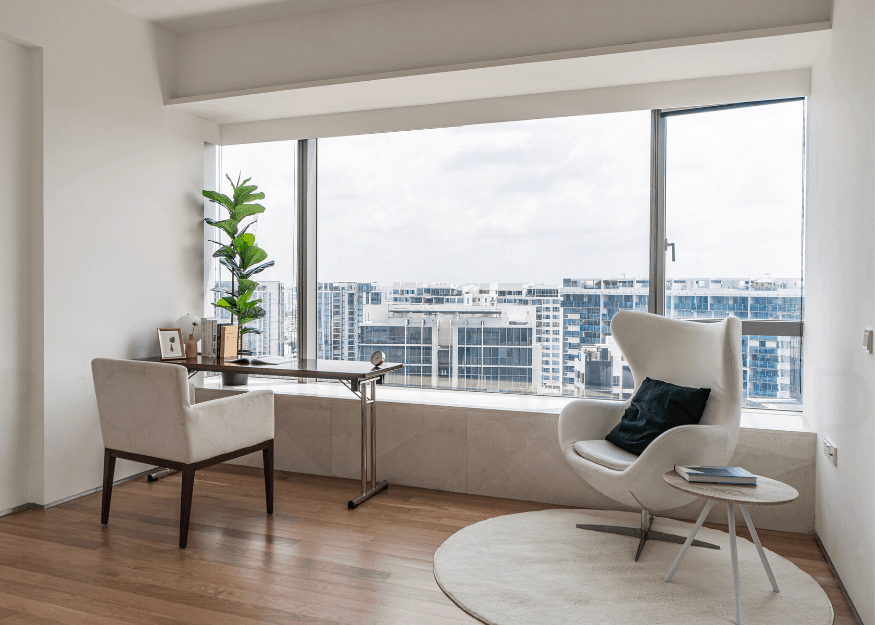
{"x": 467, "y": 336}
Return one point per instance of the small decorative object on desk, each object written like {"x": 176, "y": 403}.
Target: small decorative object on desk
{"x": 170, "y": 343}
{"x": 192, "y": 332}
{"x": 717, "y": 475}
{"x": 378, "y": 358}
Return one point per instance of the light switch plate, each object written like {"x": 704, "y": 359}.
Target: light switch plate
{"x": 830, "y": 451}
{"x": 867, "y": 341}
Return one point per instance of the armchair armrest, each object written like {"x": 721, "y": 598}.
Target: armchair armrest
{"x": 588, "y": 419}
{"x": 685, "y": 445}
{"x": 230, "y": 423}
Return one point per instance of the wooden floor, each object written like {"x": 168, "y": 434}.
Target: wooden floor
{"x": 313, "y": 561}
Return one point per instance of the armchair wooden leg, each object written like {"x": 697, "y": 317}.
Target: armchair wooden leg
{"x": 267, "y": 453}
{"x": 108, "y": 473}
{"x": 185, "y": 506}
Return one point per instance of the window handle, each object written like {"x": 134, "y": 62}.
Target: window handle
{"x": 672, "y": 249}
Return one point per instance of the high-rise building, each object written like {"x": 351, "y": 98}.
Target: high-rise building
{"x": 339, "y": 307}
{"x": 272, "y": 327}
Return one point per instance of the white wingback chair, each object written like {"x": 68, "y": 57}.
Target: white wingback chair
{"x": 701, "y": 355}
{"x": 147, "y": 414}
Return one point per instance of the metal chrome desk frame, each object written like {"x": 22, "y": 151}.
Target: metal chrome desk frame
{"x": 356, "y": 381}
{"x": 369, "y": 409}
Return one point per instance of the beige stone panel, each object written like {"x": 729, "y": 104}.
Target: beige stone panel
{"x": 419, "y": 445}
{"x": 516, "y": 455}
{"x": 346, "y": 428}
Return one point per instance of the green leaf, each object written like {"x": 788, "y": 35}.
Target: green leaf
{"x": 244, "y": 296}
{"x": 229, "y": 226}
{"x": 258, "y": 269}
{"x": 251, "y": 331}
{"x": 242, "y": 242}
{"x": 245, "y": 284}
{"x": 242, "y": 190}
{"x": 249, "y": 197}
{"x": 224, "y": 252}
{"x": 250, "y": 256}
{"x": 245, "y": 210}
{"x": 219, "y": 198}
{"x": 231, "y": 266}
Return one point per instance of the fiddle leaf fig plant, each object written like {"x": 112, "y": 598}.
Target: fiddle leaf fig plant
{"x": 240, "y": 255}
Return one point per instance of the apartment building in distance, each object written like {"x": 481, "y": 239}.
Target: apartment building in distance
{"x": 567, "y": 348}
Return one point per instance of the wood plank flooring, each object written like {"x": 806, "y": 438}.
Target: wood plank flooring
{"x": 313, "y": 561}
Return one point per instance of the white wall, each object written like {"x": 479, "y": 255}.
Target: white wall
{"x": 121, "y": 235}
{"x": 19, "y": 74}
{"x": 415, "y": 34}
{"x": 840, "y": 301}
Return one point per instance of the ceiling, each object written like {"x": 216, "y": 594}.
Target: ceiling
{"x": 595, "y": 69}
{"x": 191, "y": 16}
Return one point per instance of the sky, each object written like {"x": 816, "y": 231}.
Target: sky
{"x": 542, "y": 200}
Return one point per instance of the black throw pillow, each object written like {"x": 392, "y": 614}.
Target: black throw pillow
{"x": 657, "y": 407}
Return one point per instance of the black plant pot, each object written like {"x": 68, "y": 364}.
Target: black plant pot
{"x": 233, "y": 378}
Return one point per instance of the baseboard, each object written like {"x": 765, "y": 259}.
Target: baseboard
{"x": 38, "y": 506}
{"x": 839, "y": 580}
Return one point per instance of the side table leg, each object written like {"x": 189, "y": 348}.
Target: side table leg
{"x": 756, "y": 541}
{"x": 690, "y": 538}
{"x": 730, "y": 509}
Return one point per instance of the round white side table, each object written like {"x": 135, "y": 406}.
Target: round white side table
{"x": 766, "y": 492}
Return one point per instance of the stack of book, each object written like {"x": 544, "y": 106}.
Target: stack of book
{"x": 220, "y": 339}
{"x": 209, "y": 345}
{"x": 717, "y": 475}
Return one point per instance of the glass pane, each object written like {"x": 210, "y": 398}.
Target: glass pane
{"x": 502, "y": 249}
{"x": 272, "y": 168}
{"x": 734, "y": 203}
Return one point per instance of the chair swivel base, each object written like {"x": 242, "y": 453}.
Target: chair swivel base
{"x": 644, "y": 534}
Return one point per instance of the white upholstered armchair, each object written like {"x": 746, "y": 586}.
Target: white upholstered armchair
{"x": 148, "y": 414}
{"x": 701, "y": 355}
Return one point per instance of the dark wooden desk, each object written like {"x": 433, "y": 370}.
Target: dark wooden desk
{"x": 355, "y": 375}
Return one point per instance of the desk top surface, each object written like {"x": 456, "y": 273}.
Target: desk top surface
{"x": 766, "y": 491}
{"x": 325, "y": 369}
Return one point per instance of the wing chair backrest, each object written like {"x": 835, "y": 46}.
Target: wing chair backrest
{"x": 143, "y": 406}
{"x": 687, "y": 353}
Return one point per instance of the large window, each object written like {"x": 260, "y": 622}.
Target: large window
{"x": 733, "y": 210}
{"x": 272, "y": 168}
{"x": 493, "y": 257}
{"x": 464, "y": 252}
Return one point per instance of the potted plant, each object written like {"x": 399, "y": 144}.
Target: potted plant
{"x": 243, "y": 259}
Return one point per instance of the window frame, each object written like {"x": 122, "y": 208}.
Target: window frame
{"x": 307, "y": 224}
{"x": 659, "y": 243}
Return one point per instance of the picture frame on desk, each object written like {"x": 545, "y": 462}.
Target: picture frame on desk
{"x": 170, "y": 344}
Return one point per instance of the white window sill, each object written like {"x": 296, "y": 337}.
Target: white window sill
{"x": 778, "y": 420}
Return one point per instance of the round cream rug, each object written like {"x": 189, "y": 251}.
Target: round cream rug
{"x": 538, "y": 568}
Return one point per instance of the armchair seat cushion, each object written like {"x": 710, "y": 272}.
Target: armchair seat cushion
{"x": 605, "y": 454}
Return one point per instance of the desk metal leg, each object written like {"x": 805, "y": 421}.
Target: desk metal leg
{"x": 157, "y": 475}
{"x": 369, "y": 408}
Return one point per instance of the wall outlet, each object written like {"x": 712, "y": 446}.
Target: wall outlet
{"x": 830, "y": 452}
